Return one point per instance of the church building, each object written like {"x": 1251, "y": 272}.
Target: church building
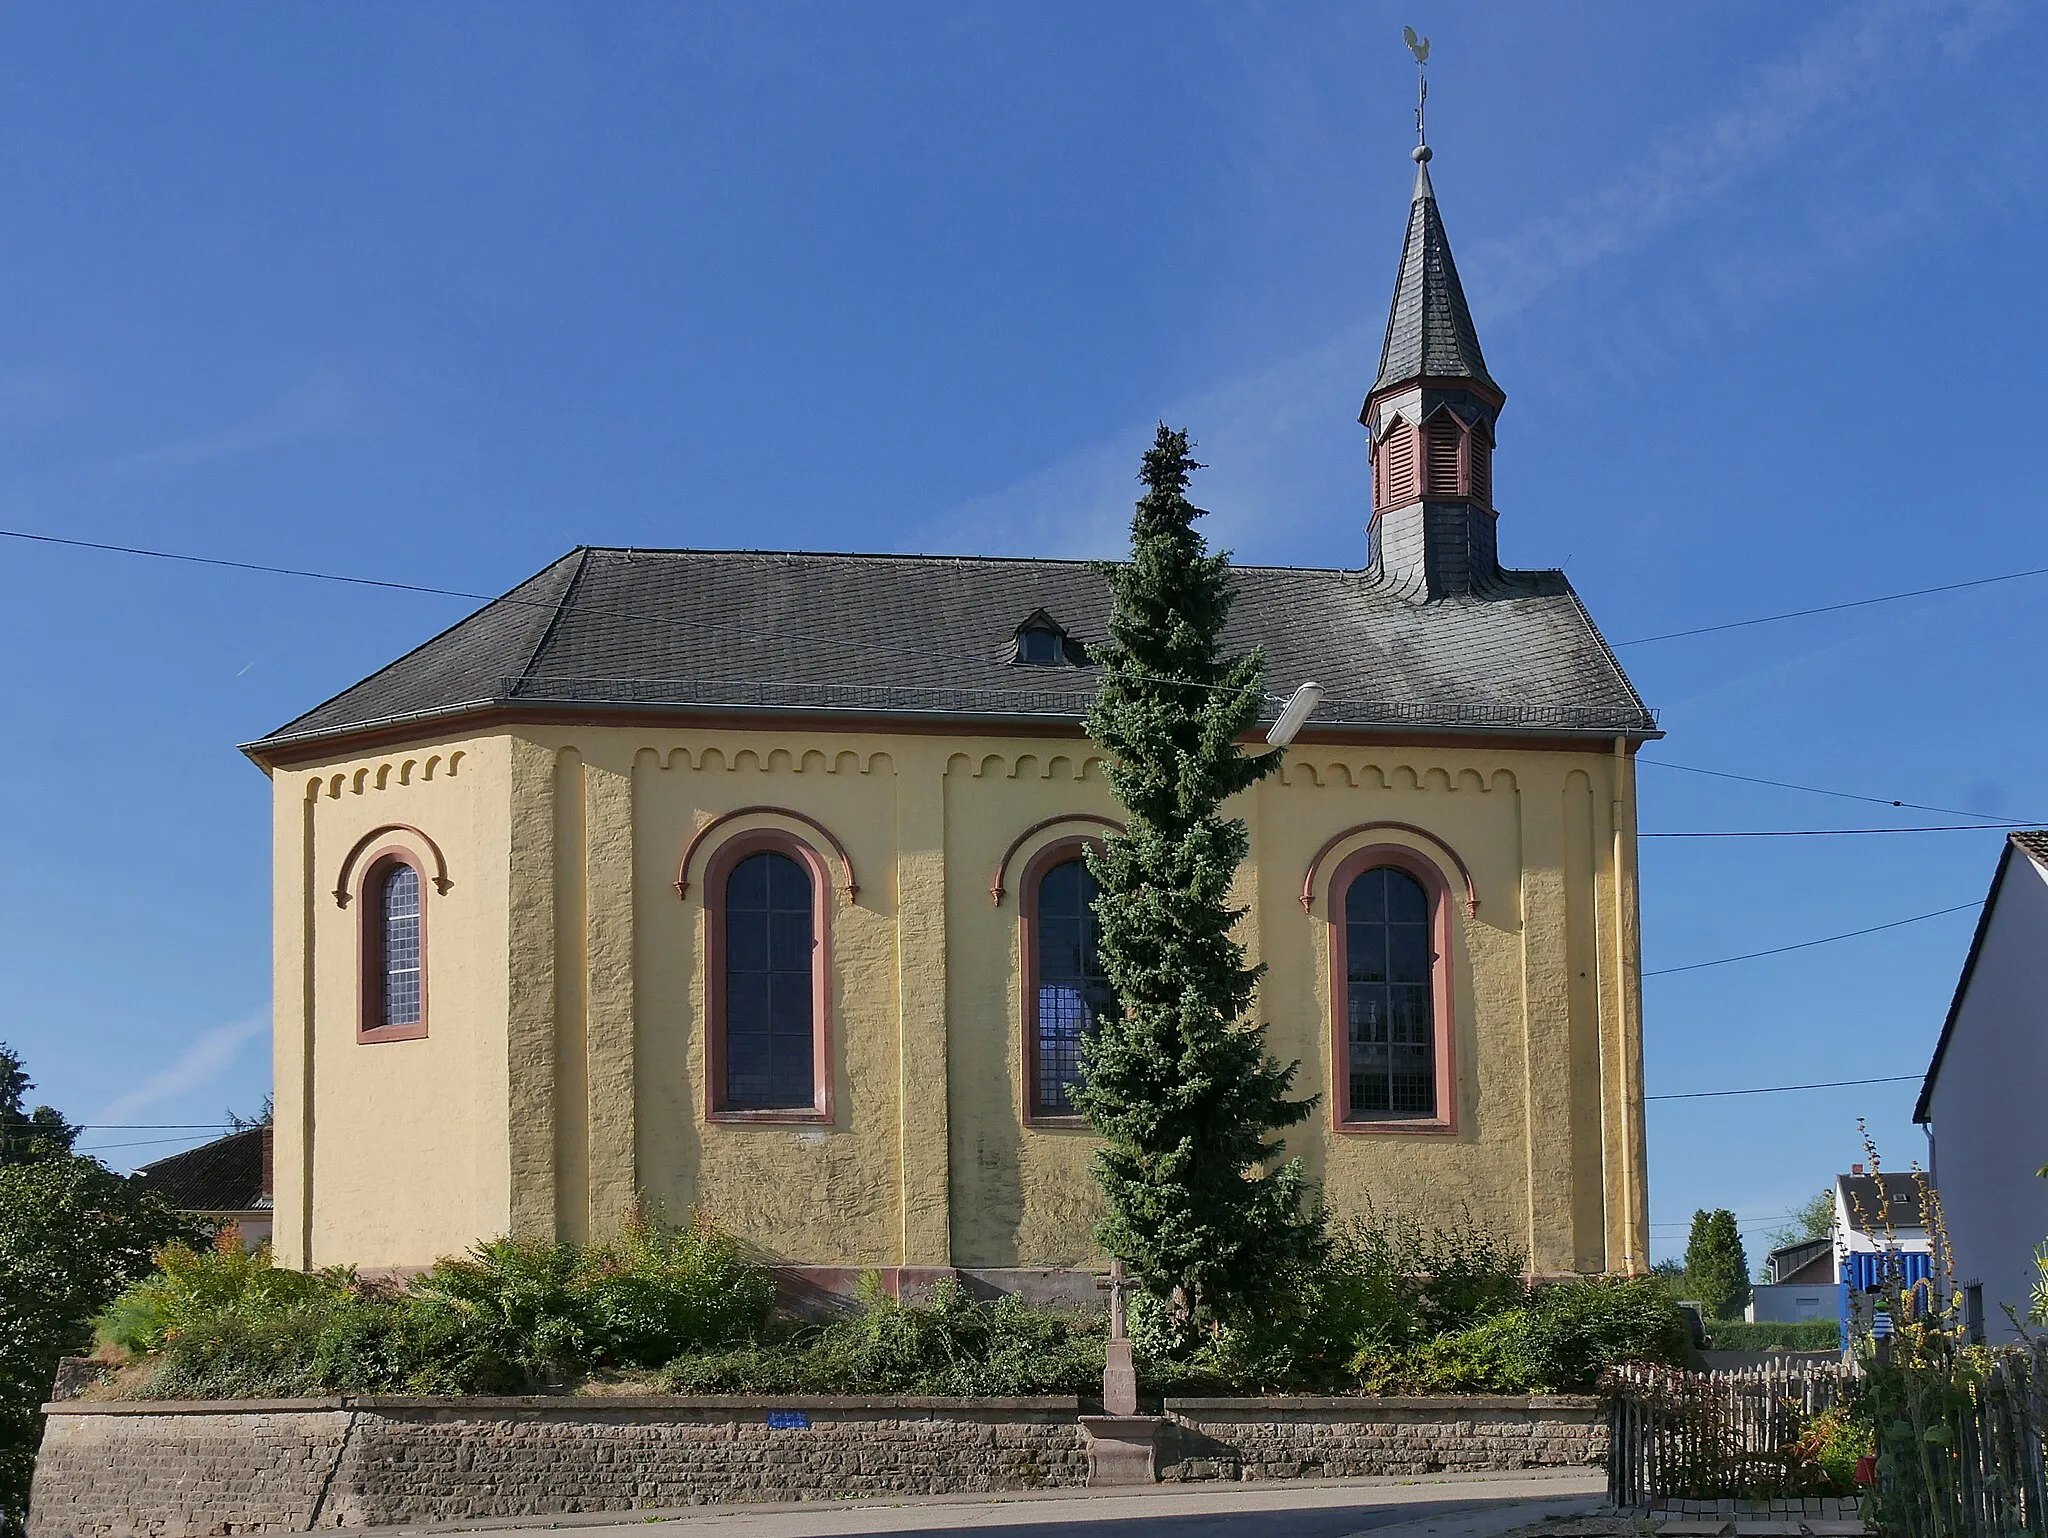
{"x": 750, "y": 883}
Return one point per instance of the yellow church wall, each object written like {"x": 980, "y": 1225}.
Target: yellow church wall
{"x": 565, "y": 1066}
{"x": 389, "y": 1153}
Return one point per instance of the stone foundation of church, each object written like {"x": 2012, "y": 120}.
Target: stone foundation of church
{"x": 185, "y": 1469}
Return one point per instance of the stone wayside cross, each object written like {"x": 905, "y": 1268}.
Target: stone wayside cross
{"x": 1119, "y": 1374}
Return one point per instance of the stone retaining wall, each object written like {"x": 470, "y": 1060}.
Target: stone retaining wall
{"x": 183, "y": 1470}
{"x": 1342, "y": 1438}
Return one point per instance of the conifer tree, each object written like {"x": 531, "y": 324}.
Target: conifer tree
{"x": 1716, "y": 1269}
{"x": 1179, "y": 1086}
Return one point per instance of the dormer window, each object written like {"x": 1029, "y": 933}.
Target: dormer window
{"x": 1040, "y": 646}
{"x": 1041, "y": 643}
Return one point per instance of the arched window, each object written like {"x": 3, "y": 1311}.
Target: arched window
{"x": 768, "y": 985}
{"x": 1067, "y": 993}
{"x": 393, "y": 948}
{"x": 1389, "y": 982}
{"x": 766, "y": 1057}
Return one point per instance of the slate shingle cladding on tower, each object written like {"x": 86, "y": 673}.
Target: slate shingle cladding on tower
{"x": 933, "y": 637}
{"x": 1430, "y": 334}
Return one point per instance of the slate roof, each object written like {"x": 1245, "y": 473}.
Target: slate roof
{"x": 229, "y": 1174}
{"x": 1867, "y": 1210}
{"x": 1807, "y": 1261}
{"x": 934, "y": 636}
{"x": 1429, "y": 329}
{"x": 2029, "y": 841}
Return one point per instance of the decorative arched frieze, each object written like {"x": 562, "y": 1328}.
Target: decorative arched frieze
{"x": 348, "y": 865}
{"x": 1336, "y": 841}
{"x": 848, "y": 884}
{"x": 996, "y": 886}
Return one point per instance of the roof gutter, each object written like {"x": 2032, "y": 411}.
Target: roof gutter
{"x": 272, "y": 752}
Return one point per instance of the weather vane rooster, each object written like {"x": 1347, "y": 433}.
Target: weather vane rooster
{"x": 1419, "y": 46}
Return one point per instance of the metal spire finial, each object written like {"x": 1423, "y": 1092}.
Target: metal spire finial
{"x": 1419, "y": 46}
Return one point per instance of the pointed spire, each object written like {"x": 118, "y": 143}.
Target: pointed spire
{"x": 1429, "y": 333}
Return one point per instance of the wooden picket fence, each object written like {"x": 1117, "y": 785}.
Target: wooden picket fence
{"x": 1978, "y": 1468}
{"x": 1714, "y": 1435}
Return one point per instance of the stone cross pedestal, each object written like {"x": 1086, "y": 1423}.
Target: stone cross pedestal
{"x": 1119, "y": 1375}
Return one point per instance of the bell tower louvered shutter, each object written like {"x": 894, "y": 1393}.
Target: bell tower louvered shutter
{"x": 1441, "y": 444}
{"x": 1398, "y": 453}
{"x": 1479, "y": 459}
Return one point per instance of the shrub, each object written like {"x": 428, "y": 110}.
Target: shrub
{"x": 949, "y": 1345}
{"x": 1800, "y": 1335}
{"x": 511, "y": 1315}
{"x": 1382, "y": 1284}
{"x": 1558, "y": 1343}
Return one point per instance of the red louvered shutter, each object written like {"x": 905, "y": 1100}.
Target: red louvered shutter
{"x": 1399, "y": 453}
{"x": 1480, "y": 454}
{"x": 1444, "y": 433}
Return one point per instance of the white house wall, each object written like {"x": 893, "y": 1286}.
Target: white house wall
{"x": 1988, "y": 1112}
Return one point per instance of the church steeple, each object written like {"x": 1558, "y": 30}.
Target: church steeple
{"x": 1430, "y": 415}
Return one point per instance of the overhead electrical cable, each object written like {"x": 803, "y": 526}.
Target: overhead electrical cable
{"x": 1946, "y": 827}
{"x": 1815, "y": 790}
{"x": 1779, "y": 950}
{"x": 1835, "y": 608}
{"x": 1786, "y": 1089}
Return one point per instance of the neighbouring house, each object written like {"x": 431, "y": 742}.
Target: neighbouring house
{"x": 1800, "y": 1285}
{"x": 225, "y": 1181}
{"x": 1981, "y": 1102}
{"x": 751, "y": 882}
{"x": 1881, "y": 1235}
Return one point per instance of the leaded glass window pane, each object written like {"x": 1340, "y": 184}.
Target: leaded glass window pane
{"x": 1073, "y": 993}
{"x": 399, "y": 915}
{"x": 770, "y": 941}
{"x": 1391, "y": 1003}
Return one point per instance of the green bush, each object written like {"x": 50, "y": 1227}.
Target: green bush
{"x": 1382, "y": 1284}
{"x": 1802, "y": 1335}
{"x": 510, "y": 1316}
{"x": 1557, "y": 1343}
{"x": 951, "y": 1345}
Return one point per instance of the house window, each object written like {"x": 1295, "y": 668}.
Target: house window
{"x": 769, "y": 1025}
{"x": 1389, "y": 983}
{"x": 1067, "y": 993}
{"x": 1041, "y": 647}
{"x": 392, "y": 947}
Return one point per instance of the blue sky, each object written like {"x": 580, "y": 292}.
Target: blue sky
{"x": 434, "y": 293}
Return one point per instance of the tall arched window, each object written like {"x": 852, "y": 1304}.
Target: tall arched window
{"x": 394, "y": 951}
{"x": 1389, "y": 986}
{"x": 1067, "y": 991}
{"x": 769, "y": 1027}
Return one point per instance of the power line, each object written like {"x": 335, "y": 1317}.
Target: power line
{"x": 1786, "y": 1089}
{"x": 449, "y": 592}
{"x": 1816, "y": 790}
{"x": 275, "y": 571}
{"x": 1779, "y": 950}
{"x": 155, "y": 1142}
{"x": 1834, "y": 608}
{"x": 1949, "y": 827}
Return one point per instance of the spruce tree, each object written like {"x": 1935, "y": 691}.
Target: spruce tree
{"x": 1716, "y": 1269}
{"x": 1179, "y": 1086}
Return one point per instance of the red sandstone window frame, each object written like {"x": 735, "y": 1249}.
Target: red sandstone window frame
{"x": 1436, "y": 888}
{"x": 1056, "y": 852}
{"x": 716, "y": 870}
{"x": 370, "y": 945}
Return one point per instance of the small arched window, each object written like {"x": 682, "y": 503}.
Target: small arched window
{"x": 1067, "y": 993}
{"x": 1040, "y": 646}
{"x": 1389, "y": 983}
{"x": 394, "y": 952}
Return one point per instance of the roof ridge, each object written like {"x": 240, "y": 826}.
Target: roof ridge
{"x": 582, "y": 554}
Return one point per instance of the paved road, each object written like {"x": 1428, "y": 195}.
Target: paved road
{"x": 1474, "y": 1507}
